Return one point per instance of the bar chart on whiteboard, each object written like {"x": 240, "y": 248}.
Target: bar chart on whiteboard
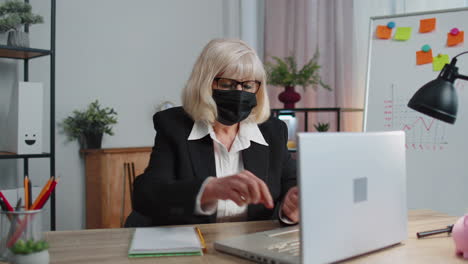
{"x": 422, "y": 132}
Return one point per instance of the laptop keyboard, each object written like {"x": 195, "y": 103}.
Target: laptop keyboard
{"x": 292, "y": 247}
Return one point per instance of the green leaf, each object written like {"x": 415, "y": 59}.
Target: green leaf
{"x": 31, "y": 246}
{"x": 14, "y": 14}
{"x": 284, "y": 72}
{"x": 94, "y": 119}
{"x": 322, "y": 127}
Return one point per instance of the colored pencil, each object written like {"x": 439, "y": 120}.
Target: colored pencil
{"x": 22, "y": 225}
{"x": 26, "y": 193}
{"x": 46, "y": 196}
{"x": 43, "y": 191}
{"x": 202, "y": 239}
{"x": 29, "y": 204}
{"x": 8, "y": 205}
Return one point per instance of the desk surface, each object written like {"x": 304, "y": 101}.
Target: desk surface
{"x": 111, "y": 245}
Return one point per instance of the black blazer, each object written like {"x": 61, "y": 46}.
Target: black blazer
{"x": 167, "y": 190}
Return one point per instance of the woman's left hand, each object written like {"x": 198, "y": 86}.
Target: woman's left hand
{"x": 290, "y": 207}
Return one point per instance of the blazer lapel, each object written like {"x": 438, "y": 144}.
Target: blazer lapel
{"x": 256, "y": 159}
{"x": 202, "y": 155}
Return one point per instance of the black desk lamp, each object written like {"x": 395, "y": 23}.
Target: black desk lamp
{"x": 438, "y": 97}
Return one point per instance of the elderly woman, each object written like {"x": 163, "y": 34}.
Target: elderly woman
{"x": 219, "y": 157}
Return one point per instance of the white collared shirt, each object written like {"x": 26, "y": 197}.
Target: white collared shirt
{"x": 227, "y": 163}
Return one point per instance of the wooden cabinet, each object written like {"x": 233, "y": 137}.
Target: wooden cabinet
{"x": 107, "y": 184}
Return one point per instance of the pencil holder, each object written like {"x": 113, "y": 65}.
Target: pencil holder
{"x": 22, "y": 240}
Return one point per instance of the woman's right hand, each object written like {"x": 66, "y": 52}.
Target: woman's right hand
{"x": 242, "y": 188}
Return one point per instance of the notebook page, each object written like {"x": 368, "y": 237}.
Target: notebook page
{"x": 165, "y": 239}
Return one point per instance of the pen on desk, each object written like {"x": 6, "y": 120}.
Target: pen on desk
{"x": 435, "y": 232}
{"x": 202, "y": 239}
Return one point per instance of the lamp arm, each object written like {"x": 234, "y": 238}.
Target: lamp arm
{"x": 463, "y": 77}
{"x": 465, "y": 52}
{"x": 453, "y": 62}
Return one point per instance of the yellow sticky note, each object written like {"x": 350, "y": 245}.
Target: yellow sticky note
{"x": 439, "y": 62}
{"x": 402, "y": 33}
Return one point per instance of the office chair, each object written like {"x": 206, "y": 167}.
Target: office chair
{"x": 134, "y": 219}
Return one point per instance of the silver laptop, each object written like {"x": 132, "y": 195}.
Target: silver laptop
{"x": 352, "y": 201}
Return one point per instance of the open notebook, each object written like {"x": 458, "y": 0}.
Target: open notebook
{"x": 165, "y": 241}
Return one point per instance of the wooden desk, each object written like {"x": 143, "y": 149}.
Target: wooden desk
{"x": 111, "y": 245}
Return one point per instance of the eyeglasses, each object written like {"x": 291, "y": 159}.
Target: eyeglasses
{"x": 230, "y": 84}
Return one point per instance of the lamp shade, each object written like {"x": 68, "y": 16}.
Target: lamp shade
{"x": 437, "y": 99}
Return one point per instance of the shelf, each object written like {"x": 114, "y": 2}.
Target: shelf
{"x": 292, "y": 112}
{"x": 11, "y": 155}
{"x": 22, "y": 53}
{"x": 116, "y": 150}
{"x": 25, "y": 54}
{"x": 318, "y": 109}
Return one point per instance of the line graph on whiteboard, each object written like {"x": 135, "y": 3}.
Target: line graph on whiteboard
{"x": 423, "y": 133}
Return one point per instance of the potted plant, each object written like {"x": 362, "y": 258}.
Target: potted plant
{"x": 322, "y": 127}
{"x": 30, "y": 252}
{"x": 13, "y": 15}
{"x": 89, "y": 126}
{"x": 284, "y": 72}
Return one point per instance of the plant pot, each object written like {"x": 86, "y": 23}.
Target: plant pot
{"x": 41, "y": 257}
{"x": 289, "y": 97}
{"x": 3, "y": 38}
{"x": 18, "y": 39}
{"x": 91, "y": 141}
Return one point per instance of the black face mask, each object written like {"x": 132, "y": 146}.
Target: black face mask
{"x": 233, "y": 105}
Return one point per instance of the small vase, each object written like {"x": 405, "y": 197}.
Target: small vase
{"x": 18, "y": 39}
{"x": 41, "y": 257}
{"x": 289, "y": 97}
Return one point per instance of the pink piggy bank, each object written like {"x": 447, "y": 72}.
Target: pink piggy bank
{"x": 460, "y": 235}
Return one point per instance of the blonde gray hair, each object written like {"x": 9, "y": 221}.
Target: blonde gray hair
{"x": 229, "y": 58}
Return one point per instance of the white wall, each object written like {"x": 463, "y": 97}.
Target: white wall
{"x": 132, "y": 56}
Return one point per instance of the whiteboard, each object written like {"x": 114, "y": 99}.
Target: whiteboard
{"x": 437, "y": 153}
